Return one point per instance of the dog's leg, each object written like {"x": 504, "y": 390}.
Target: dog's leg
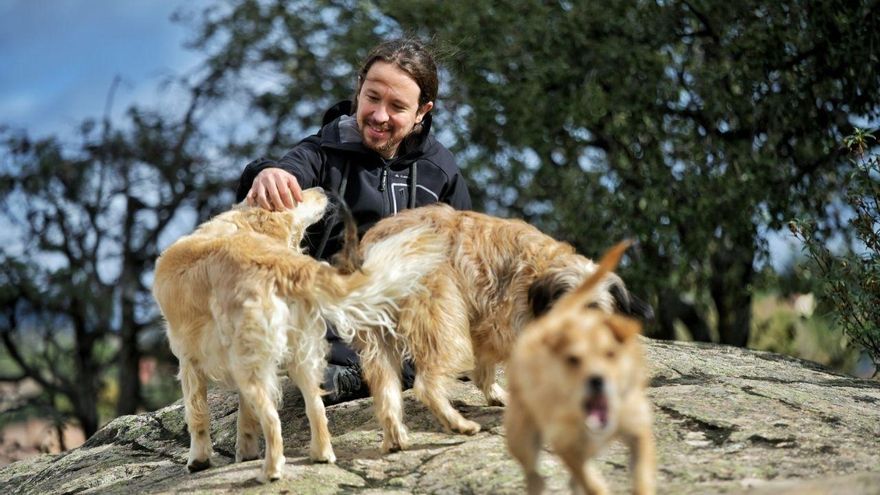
{"x": 585, "y": 478}
{"x": 254, "y": 390}
{"x": 595, "y": 482}
{"x": 439, "y": 335}
{"x": 524, "y": 443}
{"x": 382, "y": 372}
{"x": 430, "y": 388}
{"x": 484, "y": 377}
{"x": 197, "y": 415}
{"x": 247, "y": 445}
{"x": 642, "y": 463}
{"x": 307, "y": 377}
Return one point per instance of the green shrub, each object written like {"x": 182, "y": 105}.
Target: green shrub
{"x": 850, "y": 279}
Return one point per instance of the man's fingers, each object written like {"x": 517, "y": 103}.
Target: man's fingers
{"x": 276, "y": 189}
{"x": 287, "y": 198}
{"x": 274, "y": 197}
{"x": 262, "y": 201}
{"x": 257, "y": 196}
{"x": 293, "y": 185}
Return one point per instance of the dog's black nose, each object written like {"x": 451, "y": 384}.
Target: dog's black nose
{"x": 595, "y": 384}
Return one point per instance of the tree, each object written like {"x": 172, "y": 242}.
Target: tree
{"x": 75, "y": 291}
{"x": 694, "y": 127}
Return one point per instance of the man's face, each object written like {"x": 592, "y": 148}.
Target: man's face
{"x": 388, "y": 108}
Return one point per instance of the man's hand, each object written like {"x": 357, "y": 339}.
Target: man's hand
{"x": 274, "y": 189}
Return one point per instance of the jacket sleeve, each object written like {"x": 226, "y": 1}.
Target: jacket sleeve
{"x": 304, "y": 161}
{"x": 455, "y": 191}
{"x": 457, "y": 195}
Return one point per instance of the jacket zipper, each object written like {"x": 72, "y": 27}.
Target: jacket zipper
{"x": 383, "y": 186}
{"x": 383, "y": 178}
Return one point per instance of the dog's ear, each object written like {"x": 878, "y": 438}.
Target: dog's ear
{"x": 544, "y": 291}
{"x": 623, "y": 327}
{"x": 626, "y": 303}
{"x": 275, "y": 224}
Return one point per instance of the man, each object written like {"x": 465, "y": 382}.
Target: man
{"x": 379, "y": 155}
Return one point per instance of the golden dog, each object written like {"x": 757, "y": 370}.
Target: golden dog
{"x": 240, "y": 299}
{"x": 498, "y": 275}
{"x": 577, "y": 381}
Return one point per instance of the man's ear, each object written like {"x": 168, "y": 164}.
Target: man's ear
{"x": 357, "y": 94}
{"x": 423, "y": 110}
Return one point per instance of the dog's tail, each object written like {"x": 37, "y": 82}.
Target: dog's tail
{"x": 585, "y": 292}
{"x": 392, "y": 270}
{"x": 348, "y": 259}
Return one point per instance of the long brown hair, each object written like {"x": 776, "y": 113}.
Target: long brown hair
{"x": 408, "y": 55}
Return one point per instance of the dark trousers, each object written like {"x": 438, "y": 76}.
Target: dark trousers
{"x": 341, "y": 354}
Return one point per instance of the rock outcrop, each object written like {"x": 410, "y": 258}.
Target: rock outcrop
{"x": 727, "y": 420}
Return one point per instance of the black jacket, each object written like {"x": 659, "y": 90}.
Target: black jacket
{"x": 423, "y": 172}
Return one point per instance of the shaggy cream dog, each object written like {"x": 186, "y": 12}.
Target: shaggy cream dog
{"x": 240, "y": 299}
{"x": 498, "y": 275}
{"x": 577, "y": 381}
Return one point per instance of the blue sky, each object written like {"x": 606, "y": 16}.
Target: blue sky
{"x": 59, "y": 58}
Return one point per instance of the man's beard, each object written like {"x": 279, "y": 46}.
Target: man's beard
{"x": 389, "y": 148}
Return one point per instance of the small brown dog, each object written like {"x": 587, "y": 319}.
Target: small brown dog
{"x": 240, "y": 298}
{"x": 498, "y": 275}
{"x": 577, "y": 381}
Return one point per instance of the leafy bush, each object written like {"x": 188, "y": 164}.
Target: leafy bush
{"x": 850, "y": 279}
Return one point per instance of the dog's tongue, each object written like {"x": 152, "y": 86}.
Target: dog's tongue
{"x": 597, "y": 411}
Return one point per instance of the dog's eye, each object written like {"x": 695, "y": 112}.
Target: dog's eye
{"x": 573, "y": 361}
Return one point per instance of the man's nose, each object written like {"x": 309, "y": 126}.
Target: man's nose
{"x": 379, "y": 114}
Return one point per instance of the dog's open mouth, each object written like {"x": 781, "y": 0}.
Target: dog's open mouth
{"x": 596, "y": 407}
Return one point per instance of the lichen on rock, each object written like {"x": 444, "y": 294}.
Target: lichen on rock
{"x": 726, "y": 420}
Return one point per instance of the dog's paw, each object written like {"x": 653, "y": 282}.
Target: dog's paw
{"x": 395, "y": 441}
{"x": 497, "y": 396}
{"x": 264, "y": 478}
{"x": 391, "y": 447}
{"x": 273, "y": 468}
{"x": 198, "y": 465}
{"x": 327, "y": 457}
{"x": 466, "y": 427}
{"x": 535, "y": 484}
{"x": 270, "y": 473}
